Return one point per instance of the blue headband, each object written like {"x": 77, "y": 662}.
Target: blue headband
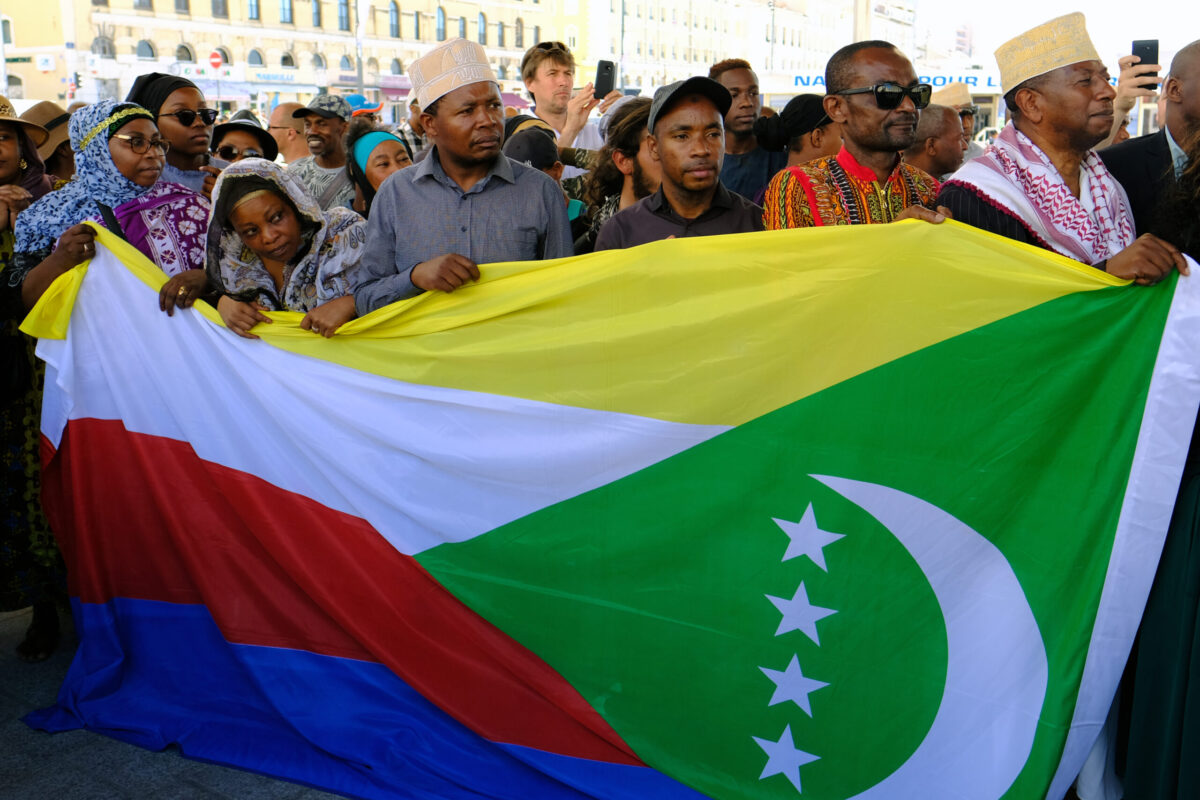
{"x": 367, "y": 144}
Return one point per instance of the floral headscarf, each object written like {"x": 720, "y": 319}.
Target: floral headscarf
{"x": 97, "y": 178}
{"x": 324, "y": 268}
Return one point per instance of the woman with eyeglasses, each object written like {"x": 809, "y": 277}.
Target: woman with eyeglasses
{"x": 186, "y": 123}
{"x": 119, "y": 158}
{"x": 272, "y": 248}
{"x": 372, "y": 154}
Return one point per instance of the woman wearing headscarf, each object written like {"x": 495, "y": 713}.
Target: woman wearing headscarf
{"x": 272, "y": 248}
{"x": 30, "y": 569}
{"x": 374, "y": 154}
{"x": 119, "y": 158}
{"x": 179, "y": 110}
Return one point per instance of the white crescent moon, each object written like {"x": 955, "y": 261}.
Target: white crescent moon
{"x": 996, "y": 672}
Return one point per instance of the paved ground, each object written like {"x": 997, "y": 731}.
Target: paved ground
{"x": 79, "y": 765}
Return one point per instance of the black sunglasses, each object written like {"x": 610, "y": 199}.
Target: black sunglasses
{"x": 186, "y": 117}
{"x": 890, "y": 95}
{"x": 231, "y": 153}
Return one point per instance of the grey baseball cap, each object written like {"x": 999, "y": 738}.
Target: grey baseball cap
{"x": 326, "y": 105}
{"x": 665, "y": 97}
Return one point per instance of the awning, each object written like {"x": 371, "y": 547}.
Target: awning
{"x": 512, "y": 100}
{"x": 393, "y": 95}
{"x": 225, "y": 90}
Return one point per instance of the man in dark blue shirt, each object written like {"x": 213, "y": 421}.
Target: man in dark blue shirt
{"x": 748, "y": 168}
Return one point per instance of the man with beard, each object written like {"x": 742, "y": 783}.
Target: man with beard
{"x": 324, "y": 172}
{"x": 624, "y": 171}
{"x": 465, "y": 204}
{"x": 874, "y": 96}
{"x": 1040, "y": 182}
{"x": 748, "y": 168}
{"x": 688, "y": 142}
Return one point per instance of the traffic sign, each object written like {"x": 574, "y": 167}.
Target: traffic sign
{"x": 214, "y": 58}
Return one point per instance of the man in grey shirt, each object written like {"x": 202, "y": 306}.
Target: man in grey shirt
{"x": 466, "y": 204}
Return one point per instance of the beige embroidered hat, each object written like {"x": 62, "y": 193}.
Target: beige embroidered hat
{"x": 447, "y": 67}
{"x": 1058, "y": 43}
{"x": 953, "y": 94}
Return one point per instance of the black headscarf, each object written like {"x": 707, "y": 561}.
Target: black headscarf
{"x": 151, "y": 90}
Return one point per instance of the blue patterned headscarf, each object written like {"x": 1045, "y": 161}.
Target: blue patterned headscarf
{"x": 97, "y": 178}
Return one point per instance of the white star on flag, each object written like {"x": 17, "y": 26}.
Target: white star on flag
{"x": 791, "y": 684}
{"x": 799, "y": 614}
{"x": 783, "y": 758}
{"x": 807, "y": 538}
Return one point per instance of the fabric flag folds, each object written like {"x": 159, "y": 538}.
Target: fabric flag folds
{"x": 827, "y": 513}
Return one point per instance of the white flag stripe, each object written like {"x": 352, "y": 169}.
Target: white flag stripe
{"x": 423, "y": 465}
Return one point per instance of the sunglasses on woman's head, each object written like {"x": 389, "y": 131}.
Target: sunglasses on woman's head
{"x": 890, "y": 95}
{"x": 231, "y": 153}
{"x": 140, "y": 144}
{"x": 186, "y": 116}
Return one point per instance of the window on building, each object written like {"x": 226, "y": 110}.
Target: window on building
{"x": 519, "y": 34}
{"x": 500, "y": 34}
{"x": 16, "y": 88}
{"x": 397, "y": 67}
{"x": 393, "y": 20}
{"x": 572, "y": 38}
{"x": 373, "y": 66}
{"x": 503, "y": 72}
{"x": 104, "y": 47}
{"x": 6, "y": 31}
{"x": 143, "y": 5}
{"x": 220, "y": 9}
{"x": 182, "y": 7}
{"x": 100, "y": 2}
{"x": 462, "y": 27}
{"x": 316, "y": 14}
{"x": 254, "y": 58}
{"x": 346, "y": 65}
{"x": 225, "y": 58}
{"x": 252, "y": 9}
{"x": 417, "y": 25}
{"x": 184, "y": 53}
{"x": 145, "y": 51}
{"x": 285, "y": 11}
{"x": 537, "y": 35}
{"x": 482, "y": 28}
{"x": 343, "y": 15}
{"x": 318, "y": 61}
{"x": 287, "y": 61}
{"x": 441, "y": 24}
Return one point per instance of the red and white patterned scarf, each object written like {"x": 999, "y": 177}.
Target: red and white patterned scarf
{"x": 1015, "y": 175}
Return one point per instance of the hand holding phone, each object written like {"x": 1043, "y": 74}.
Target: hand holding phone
{"x": 1147, "y": 52}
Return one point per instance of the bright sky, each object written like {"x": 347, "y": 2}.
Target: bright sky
{"x": 1112, "y": 26}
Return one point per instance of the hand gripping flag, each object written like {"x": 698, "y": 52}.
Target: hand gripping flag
{"x": 837, "y": 513}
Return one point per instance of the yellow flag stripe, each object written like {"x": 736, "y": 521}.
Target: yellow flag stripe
{"x": 677, "y": 329}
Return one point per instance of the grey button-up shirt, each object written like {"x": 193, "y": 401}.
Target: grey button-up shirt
{"x": 515, "y": 213}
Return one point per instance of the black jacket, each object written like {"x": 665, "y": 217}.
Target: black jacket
{"x": 1143, "y": 167}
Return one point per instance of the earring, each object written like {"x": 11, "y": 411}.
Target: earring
{"x": 23, "y": 164}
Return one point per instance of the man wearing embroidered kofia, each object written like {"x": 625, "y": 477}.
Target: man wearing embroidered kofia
{"x": 1040, "y": 182}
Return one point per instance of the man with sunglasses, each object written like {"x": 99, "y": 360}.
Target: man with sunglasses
{"x": 875, "y": 98}
{"x": 1041, "y": 182}
{"x": 323, "y": 173}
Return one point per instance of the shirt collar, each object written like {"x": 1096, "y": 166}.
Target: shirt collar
{"x": 857, "y": 170}
{"x": 722, "y": 199}
{"x": 1179, "y": 158}
{"x": 431, "y": 167}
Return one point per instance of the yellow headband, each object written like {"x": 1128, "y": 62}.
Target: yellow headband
{"x": 107, "y": 121}
{"x": 250, "y": 196}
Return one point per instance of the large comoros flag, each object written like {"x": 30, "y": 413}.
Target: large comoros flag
{"x": 837, "y": 513}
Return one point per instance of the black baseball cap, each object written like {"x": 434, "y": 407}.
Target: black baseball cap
{"x": 665, "y": 97}
{"x": 532, "y": 147}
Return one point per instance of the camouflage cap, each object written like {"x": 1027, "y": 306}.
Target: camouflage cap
{"x": 326, "y": 105}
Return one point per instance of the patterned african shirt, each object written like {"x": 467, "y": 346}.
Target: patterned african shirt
{"x": 840, "y": 191}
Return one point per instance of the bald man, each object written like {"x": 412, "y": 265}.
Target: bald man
{"x": 940, "y": 143}
{"x": 1149, "y": 165}
{"x": 288, "y": 132}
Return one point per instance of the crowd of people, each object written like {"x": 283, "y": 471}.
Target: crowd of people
{"x": 325, "y": 211}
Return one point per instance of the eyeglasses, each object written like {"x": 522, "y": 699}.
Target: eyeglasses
{"x": 140, "y": 144}
{"x": 231, "y": 153}
{"x": 186, "y": 116}
{"x": 969, "y": 111}
{"x": 890, "y": 95}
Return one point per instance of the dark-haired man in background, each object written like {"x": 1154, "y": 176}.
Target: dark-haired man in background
{"x": 940, "y": 145}
{"x": 748, "y": 168}
{"x": 874, "y": 96}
